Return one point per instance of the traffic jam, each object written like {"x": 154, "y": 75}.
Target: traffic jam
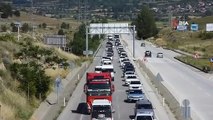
{"x": 99, "y": 85}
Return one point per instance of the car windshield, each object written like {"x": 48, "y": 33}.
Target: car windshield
{"x": 144, "y": 106}
{"x": 107, "y": 70}
{"x": 131, "y": 77}
{"x": 99, "y": 86}
{"x": 135, "y": 82}
{"x": 99, "y": 89}
{"x": 144, "y": 118}
{"x": 130, "y": 72}
{"x": 98, "y": 69}
{"x": 135, "y": 92}
{"x": 101, "y": 109}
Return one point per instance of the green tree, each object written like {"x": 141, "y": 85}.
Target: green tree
{"x": 32, "y": 78}
{"x": 17, "y": 13}
{"x": 60, "y": 32}
{"x": 64, "y": 25}
{"x": 3, "y": 28}
{"x": 25, "y": 27}
{"x": 6, "y": 9}
{"x": 78, "y": 44}
{"x": 145, "y": 24}
{"x": 44, "y": 25}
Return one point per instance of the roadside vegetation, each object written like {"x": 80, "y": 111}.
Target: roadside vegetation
{"x": 198, "y": 43}
{"x": 145, "y": 24}
{"x": 24, "y": 80}
{"x": 28, "y": 68}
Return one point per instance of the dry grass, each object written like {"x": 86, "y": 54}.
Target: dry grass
{"x": 60, "y": 52}
{"x": 53, "y": 73}
{"x": 14, "y": 103}
{"x": 160, "y": 42}
{"x": 27, "y": 18}
{"x": 15, "y": 106}
{"x": 66, "y": 55}
{"x": 7, "y": 112}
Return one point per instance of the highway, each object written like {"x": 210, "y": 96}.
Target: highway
{"x": 183, "y": 81}
{"x": 75, "y": 109}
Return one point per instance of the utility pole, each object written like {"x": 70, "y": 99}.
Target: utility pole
{"x": 133, "y": 41}
{"x": 87, "y": 41}
{"x": 79, "y": 10}
{"x": 170, "y": 19}
{"x": 32, "y": 9}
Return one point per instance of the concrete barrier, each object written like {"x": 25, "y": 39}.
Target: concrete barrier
{"x": 170, "y": 100}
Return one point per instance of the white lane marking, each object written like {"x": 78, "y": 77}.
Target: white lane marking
{"x": 81, "y": 117}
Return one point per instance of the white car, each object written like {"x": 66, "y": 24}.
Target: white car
{"x": 107, "y": 62}
{"x": 135, "y": 84}
{"x": 109, "y": 68}
{"x": 144, "y": 115}
{"x": 98, "y": 69}
{"x": 104, "y": 59}
{"x": 130, "y": 78}
{"x": 129, "y": 73}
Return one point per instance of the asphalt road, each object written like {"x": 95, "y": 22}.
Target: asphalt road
{"x": 76, "y": 106}
{"x": 183, "y": 81}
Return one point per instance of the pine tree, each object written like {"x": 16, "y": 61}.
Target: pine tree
{"x": 145, "y": 24}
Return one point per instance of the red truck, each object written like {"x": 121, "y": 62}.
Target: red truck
{"x": 98, "y": 86}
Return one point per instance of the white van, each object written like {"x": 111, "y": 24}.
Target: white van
{"x": 98, "y": 69}
{"x": 108, "y": 68}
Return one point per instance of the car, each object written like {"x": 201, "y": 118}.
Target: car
{"x": 142, "y": 105}
{"x": 142, "y": 44}
{"x": 148, "y": 53}
{"x": 110, "y": 69}
{"x": 105, "y": 59}
{"x": 130, "y": 78}
{"x": 129, "y": 73}
{"x": 135, "y": 84}
{"x": 125, "y": 63}
{"x": 128, "y": 68}
{"x": 124, "y": 60}
{"x": 98, "y": 69}
{"x": 144, "y": 115}
{"x": 135, "y": 95}
{"x": 121, "y": 58}
{"x": 110, "y": 37}
{"x": 159, "y": 55}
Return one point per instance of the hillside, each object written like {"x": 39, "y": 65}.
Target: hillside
{"x": 24, "y": 62}
{"x": 200, "y": 42}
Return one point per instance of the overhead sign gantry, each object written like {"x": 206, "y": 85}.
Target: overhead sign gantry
{"x": 110, "y": 28}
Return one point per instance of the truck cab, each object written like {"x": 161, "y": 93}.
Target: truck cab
{"x": 98, "y": 86}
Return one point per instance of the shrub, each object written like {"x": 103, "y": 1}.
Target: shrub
{"x": 205, "y": 35}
